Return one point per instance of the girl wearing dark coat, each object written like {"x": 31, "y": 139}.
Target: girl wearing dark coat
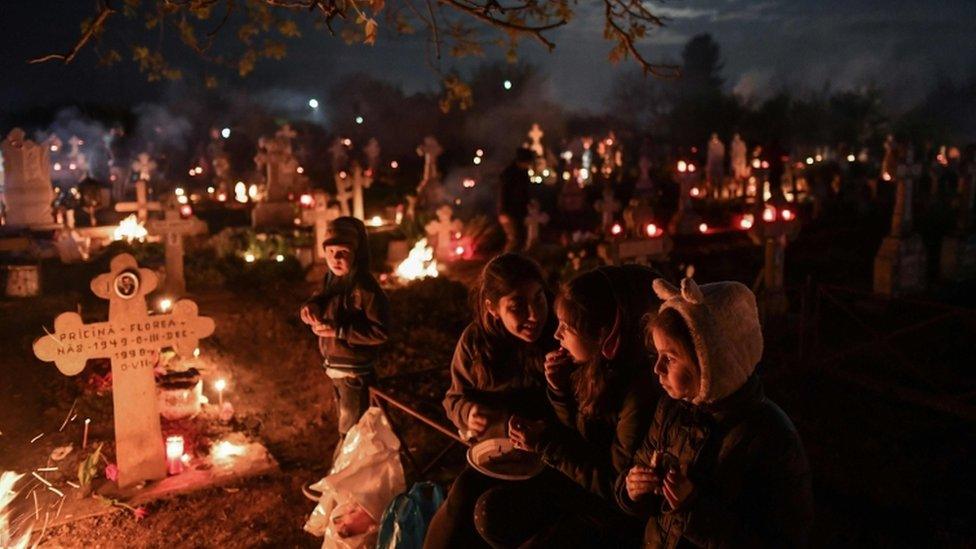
{"x": 722, "y": 465}
{"x": 600, "y": 387}
{"x": 497, "y": 372}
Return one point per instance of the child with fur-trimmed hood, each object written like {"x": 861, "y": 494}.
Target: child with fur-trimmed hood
{"x": 350, "y": 316}
{"x": 722, "y": 465}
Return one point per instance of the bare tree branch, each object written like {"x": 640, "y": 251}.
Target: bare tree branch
{"x": 92, "y": 30}
{"x": 482, "y": 14}
{"x": 627, "y": 39}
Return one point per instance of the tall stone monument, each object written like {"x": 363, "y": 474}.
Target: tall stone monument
{"x": 27, "y": 182}
{"x": 899, "y": 266}
{"x": 280, "y": 169}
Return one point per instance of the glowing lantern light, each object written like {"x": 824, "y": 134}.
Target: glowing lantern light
{"x": 394, "y": 164}
{"x": 765, "y": 164}
{"x": 222, "y": 197}
{"x": 174, "y": 454}
{"x": 375, "y": 221}
{"x": 360, "y": 120}
{"x": 468, "y": 183}
{"x": 210, "y": 190}
{"x": 886, "y": 176}
{"x": 809, "y": 160}
{"x": 479, "y": 152}
{"x": 756, "y": 163}
{"x": 651, "y": 229}
{"x": 695, "y": 191}
{"x": 186, "y": 210}
{"x": 703, "y": 228}
{"x": 769, "y": 213}
{"x": 306, "y": 200}
{"x": 682, "y": 166}
{"x": 850, "y": 158}
{"x": 54, "y": 148}
{"x": 178, "y": 191}
{"x": 313, "y": 103}
{"x": 165, "y": 304}
{"x": 507, "y": 84}
{"x": 182, "y": 199}
{"x": 343, "y": 175}
{"x": 746, "y": 222}
{"x": 459, "y": 251}
{"x": 819, "y": 158}
{"x": 198, "y": 169}
{"x": 566, "y": 176}
{"x": 616, "y": 229}
{"x": 72, "y": 166}
{"x": 347, "y": 142}
{"x": 787, "y": 215}
{"x": 280, "y": 258}
{"x": 691, "y": 168}
{"x": 249, "y": 257}
{"x": 300, "y": 169}
{"x": 57, "y": 166}
{"x": 225, "y": 133}
{"x": 476, "y": 160}
{"x": 546, "y": 172}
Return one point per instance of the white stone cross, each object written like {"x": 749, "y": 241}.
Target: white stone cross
{"x": 535, "y": 134}
{"x": 608, "y": 206}
{"x": 444, "y": 229}
{"x": 145, "y": 165}
{"x": 359, "y": 181}
{"x": 141, "y": 206}
{"x": 343, "y": 191}
{"x": 533, "y": 220}
{"x": 131, "y": 339}
{"x": 430, "y": 150}
{"x": 172, "y": 229}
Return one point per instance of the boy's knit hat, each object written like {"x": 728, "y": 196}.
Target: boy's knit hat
{"x": 724, "y": 324}
{"x": 344, "y": 230}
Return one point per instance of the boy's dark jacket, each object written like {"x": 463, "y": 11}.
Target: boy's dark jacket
{"x": 354, "y": 305}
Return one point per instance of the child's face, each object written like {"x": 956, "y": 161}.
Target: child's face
{"x": 339, "y": 258}
{"x": 523, "y": 312}
{"x": 580, "y": 348}
{"x": 675, "y": 368}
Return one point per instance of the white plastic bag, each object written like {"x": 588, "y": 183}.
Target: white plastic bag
{"x": 365, "y": 477}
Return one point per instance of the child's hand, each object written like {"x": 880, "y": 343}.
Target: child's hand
{"x": 477, "y": 420}
{"x": 322, "y": 329}
{"x": 307, "y": 316}
{"x": 642, "y": 481}
{"x": 558, "y": 366}
{"x": 525, "y": 434}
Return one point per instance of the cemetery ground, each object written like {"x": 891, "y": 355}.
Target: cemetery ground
{"x": 886, "y": 472}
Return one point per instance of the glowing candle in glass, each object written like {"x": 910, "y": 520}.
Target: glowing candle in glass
{"x": 174, "y": 454}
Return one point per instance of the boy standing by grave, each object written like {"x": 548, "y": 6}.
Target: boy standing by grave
{"x": 350, "y": 316}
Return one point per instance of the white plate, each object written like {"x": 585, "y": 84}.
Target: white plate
{"x": 480, "y": 453}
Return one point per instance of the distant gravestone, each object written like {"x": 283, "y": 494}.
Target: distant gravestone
{"x": 280, "y": 169}
{"x": 685, "y": 220}
{"x": 444, "y": 229}
{"x": 360, "y": 180}
{"x": 958, "y": 255}
{"x": 173, "y": 228}
{"x": 27, "y": 182}
{"x": 900, "y": 264}
{"x": 141, "y": 206}
{"x": 535, "y": 136}
{"x": 131, "y": 339}
{"x": 608, "y": 206}
{"x": 644, "y": 185}
{"x": 535, "y": 218}
{"x": 430, "y": 192}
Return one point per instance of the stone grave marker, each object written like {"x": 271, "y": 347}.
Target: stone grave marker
{"x": 535, "y": 218}
{"x": 958, "y": 255}
{"x": 359, "y": 180}
{"x": 28, "y": 193}
{"x": 141, "y": 206}
{"x": 173, "y": 228}
{"x": 444, "y": 229}
{"x": 608, "y": 206}
{"x": 900, "y": 264}
{"x": 131, "y": 339}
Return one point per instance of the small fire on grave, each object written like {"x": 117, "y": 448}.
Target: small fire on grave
{"x": 8, "y": 536}
{"x": 130, "y": 229}
{"x": 419, "y": 264}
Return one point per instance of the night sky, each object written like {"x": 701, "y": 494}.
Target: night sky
{"x": 900, "y": 45}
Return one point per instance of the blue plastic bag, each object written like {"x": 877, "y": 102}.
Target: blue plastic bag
{"x": 405, "y": 521}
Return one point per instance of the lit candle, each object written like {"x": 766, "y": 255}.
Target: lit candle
{"x": 174, "y": 454}
{"x": 220, "y": 385}
{"x": 84, "y": 438}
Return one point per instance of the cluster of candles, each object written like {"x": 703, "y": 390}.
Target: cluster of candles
{"x": 176, "y": 456}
